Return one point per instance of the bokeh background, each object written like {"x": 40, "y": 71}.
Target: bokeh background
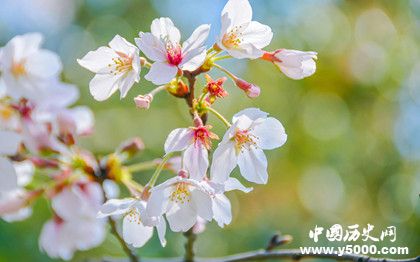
{"x": 353, "y": 154}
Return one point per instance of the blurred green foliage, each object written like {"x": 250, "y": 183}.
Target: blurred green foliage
{"x": 343, "y": 162}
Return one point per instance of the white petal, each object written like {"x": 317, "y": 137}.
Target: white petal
{"x": 222, "y": 210}
{"x": 84, "y": 119}
{"x": 182, "y": 217}
{"x": 161, "y": 73}
{"x": 296, "y": 64}
{"x": 202, "y": 203}
{"x": 127, "y": 83}
{"x": 197, "y": 39}
{"x": 158, "y": 201}
{"x": 196, "y": 161}
{"x": 164, "y": 28}
{"x": 97, "y": 61}
{"x": 103, "y": 86}
{"x": 9, "y": 142}
{"x": 234, "y": 184}
{"x": 161, "y": 230}
{"x": 246, "y": 50}
{"x": 178, "y": 140}
{"x": 43, "y": 64}
{"x": 20, "y": 215}
{"x": 116, "y": 207}
{"x": 224, "y": 161}
{"x": 8, "y": 178}
{"x": 24, "y": 171}
{"x": 152, "y": 46}
{"x": 270, "y": 134}
{"x": 257, "y": 34}
{"x": 193, "y": 59}
{"x": 251, "y": 113}
{"x": 134, "y": 232}
{"x": 121, "y": 45}
{"x": 253, "y": 165}
{"x": 239, "y": 11}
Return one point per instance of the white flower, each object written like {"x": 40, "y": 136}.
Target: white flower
{"x": 163, "y": 46}
{"x": 222, "y": 209}
{"x": 25, "y": 66}
{"x": 240, "y": 36}
{"x": 243, "y": 144}
{"x": 182, "y": 200}
{"x": 9, "y": 144}
{"x": 195, "y": 142}
{"x": 75, "y": 226}
{"x": 293, "y": 63}
{"x": 117, "y": 67}
{"x": 137, "y": 224}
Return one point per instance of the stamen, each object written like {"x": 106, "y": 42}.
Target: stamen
{"x": 18, "y": 69}
{"x": 173, "y": 53}
{"x": 134, "y": 216}
{"x": 244, "y": 140}
{"x": 181, "y": 194}
{"x": 233, "y": 38}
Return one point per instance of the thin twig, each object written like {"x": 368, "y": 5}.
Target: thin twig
{"x": 189, "y": 246}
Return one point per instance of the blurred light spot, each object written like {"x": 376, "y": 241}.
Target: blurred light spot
{"x": 368, "y": 63}
{"x": 413, "y": 84}
{"x": 321, "y": 190}
{"x": 394, "y": 198}
{"x": 375, "y": 25}
{"x": 104, "y": 28}
{"x": 325, "y": 116}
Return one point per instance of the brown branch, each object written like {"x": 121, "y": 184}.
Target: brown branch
{"x": 189, "y": 246}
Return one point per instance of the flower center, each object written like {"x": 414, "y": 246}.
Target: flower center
{"x": 181, "y": 194}
{"x": 244, "y": 140}
{"x": 173, "y": 53}
{"x": 134, "y": 216}
{"x": 204, "y": 136}
{"x": 121, "y": 64}
{"x": 6, "y": 112}
{"x": 18, "y": 69}
{"x": 233, "y": 38}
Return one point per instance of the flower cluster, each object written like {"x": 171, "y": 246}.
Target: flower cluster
{"x": 39, "y": 130}
{"x": 196, "y": 195}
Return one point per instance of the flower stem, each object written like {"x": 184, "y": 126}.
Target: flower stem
{"x": 226, "y": 71}
{"x": 157, "y": 90}
{"x": 222, "y": 57}
{"x": 189, "y": 246}
{"x": 159, "y": 169}
{"x": 218, "y": 115}
{"x": 142, "y": 166}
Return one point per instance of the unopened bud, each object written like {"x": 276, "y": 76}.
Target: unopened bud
{"x": 183, "y": 173}
{"x": 43, "y": 162}
{"x": 131, "y": 147}
{"x": 143, "y": 102}
{"x": 178, "y": 88}
{"x": 251, "y": 90}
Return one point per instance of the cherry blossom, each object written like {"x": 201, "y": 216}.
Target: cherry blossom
{"x": 240, "y": 36}
{"x": 195, "y": 143}
{"x": 9, "y": 142}
{"x": 293, "y": 63}
{"x": 163, "y": 46}
{"x": 25, "y": 66}
{"x": 117, "y": 67}
{"x": 137, "y": 224}
{"x": 251, "y": 132}
{"x": 182, "y": 200}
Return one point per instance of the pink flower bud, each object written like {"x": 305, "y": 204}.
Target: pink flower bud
{"x": 251, "y": 90}
{"x": 143, "y": 101}
{"x": 131, "y": 147}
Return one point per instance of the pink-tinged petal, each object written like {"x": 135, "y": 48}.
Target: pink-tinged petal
{"x": 239, "y": 11}
{"x": 234, "y": 184}
{"x": 9, "y": 142}
{"x": 193, "y": 60}
{"x": 296, "y": 64}
{"x": 78, "y": 120}
{"x": 8, "y": 177}
{"x": 161, "y": 230}
{"x": 257, "y": 34}
{"x": 127, "y": 82}
{"x": 121, "y": 45}
{"x": 24, "y": 172}
{"x": 196, "y": 161}
{"x": 43, "y": 64}
{"x": 19, "y": 215}
{"x": 197, "y": 39}
{"x": 161, "y": 73}
{"x": 253, "y": 165}
{"x": 116, "y": 207}
{"x": 158, "y": 201}
{"x": 103, "y": 87}
{"x": 98, "y": 61}
{"x": 270, "y": 133}
{"x": 222, "y": 210}
{"x": 178, "y": 140}
{"x": 153, "y": 47}
{"x": 203, "y": 204}
{"x": 224, "y": 161}
{"x": 182, "y": 217}
{"x": 134, "y": 232}
{"x": 246, "y": 50}
{"x": 164, "y": 28}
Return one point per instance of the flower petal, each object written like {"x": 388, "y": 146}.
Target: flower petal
{"x": 134, "y": 232}
{"x": 9, "y": 142}
{"x": 8, "y": 177}
{"x": 222, "y": 210}
{"x": 182, "y": 217}
{"x": 43, "y": 64}
{"x": 97, "y": 61}
{"x": 178, "y": 140}
{"x": 270, "y": 133}
{"x": 253, "y": 165}
{"x": 257, "y": 34}
{"x": 158, "y": 201}
{"x": 238, "y": 11}
{"x": 164, "y": 28}
{"x": 196, "y": 161}
{"x": 116, "y": 207}
{"x": 234, "y": 184}
{"x": 103, "y": 86}
{"x": 161, "y": 73}
{"x": 151, "y": 46}
{"x": 203, "y": 204}
{"x": 121, "y": 45}
{"x": 251, "y": 113}
{"x": 224, "y": 161}
{"x": 161, "y": 230}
